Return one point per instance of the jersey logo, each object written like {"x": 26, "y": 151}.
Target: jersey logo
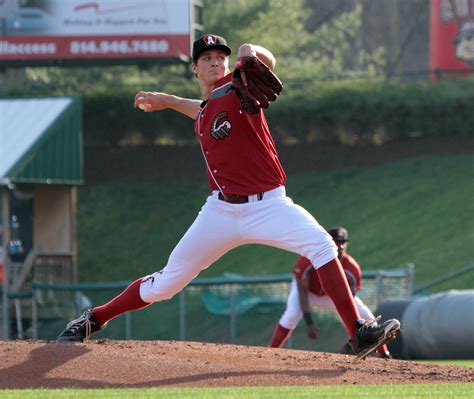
{"x": 220, "y": 126}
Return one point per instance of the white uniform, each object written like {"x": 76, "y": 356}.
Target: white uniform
{"x": 220, "y": 226}
{"x": 293, "y": 314}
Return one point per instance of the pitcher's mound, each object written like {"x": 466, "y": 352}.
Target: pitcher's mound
{"x": 132, "y": 364}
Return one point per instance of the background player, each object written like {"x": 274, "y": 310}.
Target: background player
{"x": 306, "y": 291}
{"x": 248, "y": 203}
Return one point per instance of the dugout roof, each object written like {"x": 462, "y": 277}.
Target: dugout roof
{"x": 41, "y": 141}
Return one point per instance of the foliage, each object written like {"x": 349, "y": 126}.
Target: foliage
{"x": 281, "y": 27}
{"x": 314, "y": 105}
{"x": 373, "y": 111}
{"x": 347, "y": 111}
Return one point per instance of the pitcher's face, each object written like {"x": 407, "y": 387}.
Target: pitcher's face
{"x": 211, "y": 66}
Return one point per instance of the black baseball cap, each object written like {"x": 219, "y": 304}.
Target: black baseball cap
{"x": 209, "y": 42}
{"x": 339, "y": 234}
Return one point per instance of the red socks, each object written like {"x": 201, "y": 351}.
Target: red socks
{"x": 127, "y": 301}
{"x": 382, "y": 350}
{"x": 280, "y": 335}
{"x": 332, "y": 278}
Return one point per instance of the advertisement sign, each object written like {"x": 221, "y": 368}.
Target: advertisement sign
{"x": 452, "y": 37}
{"x": 101, "y": 29}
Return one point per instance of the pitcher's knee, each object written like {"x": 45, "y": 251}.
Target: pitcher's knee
{"x": 290, "y": 321}
{"x": 160, "y": 287}
{"x": 325, "y": 252}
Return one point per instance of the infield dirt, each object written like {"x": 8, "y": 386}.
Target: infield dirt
{"x": 135, "y": 364}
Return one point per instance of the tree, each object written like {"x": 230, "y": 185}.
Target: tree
{"x": 329, "y": 52}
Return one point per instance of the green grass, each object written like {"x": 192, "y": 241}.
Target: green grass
{"x": 414, "y": 391}
{"x": 415, "y": 210}
{"x": 456, "y": 362}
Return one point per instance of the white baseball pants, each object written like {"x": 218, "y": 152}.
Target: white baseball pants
{"x": 220, "y": 226}
{"x": 293, "y": 314}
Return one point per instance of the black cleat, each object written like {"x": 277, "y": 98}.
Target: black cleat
{"x": 80, "y": 329}
{"x": 370, "y": 335}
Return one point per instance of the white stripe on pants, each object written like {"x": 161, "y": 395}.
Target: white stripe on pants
{"x": 293, "y": 314}
{"x": 219, "y": 227}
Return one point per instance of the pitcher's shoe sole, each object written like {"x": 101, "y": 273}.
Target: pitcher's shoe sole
{"x": 390, "y": 332}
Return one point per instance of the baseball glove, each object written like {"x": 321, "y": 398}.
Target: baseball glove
{"x": 255, "y": 84}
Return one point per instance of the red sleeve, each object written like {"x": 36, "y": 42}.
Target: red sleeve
{"x": 301, "y": 265}
{"x": 351, "y": 265}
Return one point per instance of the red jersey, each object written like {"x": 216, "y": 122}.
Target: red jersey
{"x": 303, "y": 267}
{"x": 238, "y": 148}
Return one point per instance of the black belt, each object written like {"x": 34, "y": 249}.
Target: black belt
{"x": 237, "y": 199}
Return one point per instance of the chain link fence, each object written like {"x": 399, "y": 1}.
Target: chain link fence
{"x": 229, "y": 309}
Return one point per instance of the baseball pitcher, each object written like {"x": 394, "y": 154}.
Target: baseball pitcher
{"x": 248, "y": 201}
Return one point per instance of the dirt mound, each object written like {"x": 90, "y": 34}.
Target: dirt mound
{"x": 132, "y": 364}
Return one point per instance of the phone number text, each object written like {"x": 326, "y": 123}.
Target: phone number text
{"x": 118, "y": 46}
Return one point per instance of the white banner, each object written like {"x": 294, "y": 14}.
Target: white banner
{"x": 96, "y": 29}
{"x": 100, "y": 17}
